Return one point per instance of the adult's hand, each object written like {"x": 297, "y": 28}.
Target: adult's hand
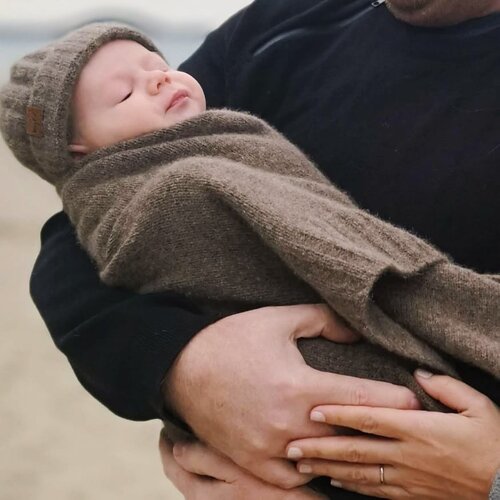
{"x": 244, "y": 388}
{"x": 424, "y": 454}
{"x": 199, "y": 472}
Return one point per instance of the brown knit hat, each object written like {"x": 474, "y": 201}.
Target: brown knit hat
{"x": 36, "y": 103}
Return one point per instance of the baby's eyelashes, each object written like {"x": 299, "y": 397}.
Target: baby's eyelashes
{"x": 126, "y": 97}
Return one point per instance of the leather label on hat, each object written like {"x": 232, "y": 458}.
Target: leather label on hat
{"x": 34, "y": 121}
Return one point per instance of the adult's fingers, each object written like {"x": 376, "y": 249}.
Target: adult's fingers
{"x": 451, "y": 392}
{"x": 352, "y": 473}
{"x": 354, "y": 449}
{"x": 331, "y": 388}
{"x": 279, "y": 472}
{"x": 180, "y": 478}
{"x": 199, "y": 459}
{"x": 314, "y": 320}
{"x": 385, "y": 422}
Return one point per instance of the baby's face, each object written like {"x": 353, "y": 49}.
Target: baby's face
{"x": 125, "y": 91}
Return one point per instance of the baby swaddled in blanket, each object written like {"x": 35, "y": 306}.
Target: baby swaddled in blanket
{"x": 218, "y": 206}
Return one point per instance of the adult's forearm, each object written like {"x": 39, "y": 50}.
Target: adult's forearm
{"x": 120, "y": 344}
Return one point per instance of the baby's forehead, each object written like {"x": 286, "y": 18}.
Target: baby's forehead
{"x": 128, "y": 49}
{"x": 115, "y": 57}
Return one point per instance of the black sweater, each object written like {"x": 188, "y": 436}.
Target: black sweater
{"x": 405, "y": 119}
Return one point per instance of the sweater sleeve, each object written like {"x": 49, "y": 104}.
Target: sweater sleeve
{"x": 495, "y": 489}
{"x": 119, "y": 344}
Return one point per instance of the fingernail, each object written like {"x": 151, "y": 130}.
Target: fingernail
{"x": 178, "y": 449}
{"x": 423, "y": 373}
{"x": 305, "y": 469}
{"x": 294, "y": 453}
{"x": 337, "y": 484}
{"x": 317, "y": 416}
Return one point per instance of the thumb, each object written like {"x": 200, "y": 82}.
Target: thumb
{"x": 199, "y": 459}
{"x": 180, "y": 478}
{"x": 451, "y": 392}
{"x": 336, "y": 330}
{"x": 319, "y": 320}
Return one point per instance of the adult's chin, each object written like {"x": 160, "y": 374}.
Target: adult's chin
{"x": 436, "y": 13}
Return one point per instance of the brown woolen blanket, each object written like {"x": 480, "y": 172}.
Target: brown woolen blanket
{"x": 223, "y": 209}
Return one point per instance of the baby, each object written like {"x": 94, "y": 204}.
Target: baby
{"x": 126, "y": 90}
{"x": 219, "y": 206}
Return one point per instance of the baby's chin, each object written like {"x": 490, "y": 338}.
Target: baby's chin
{"x": 184, "y": 110}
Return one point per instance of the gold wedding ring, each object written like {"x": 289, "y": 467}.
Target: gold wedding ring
{"x": 382, "y": 479}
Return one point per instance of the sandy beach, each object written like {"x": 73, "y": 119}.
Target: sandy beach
{"x": 56, "y": 441}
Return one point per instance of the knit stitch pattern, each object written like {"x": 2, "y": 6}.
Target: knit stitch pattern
{"x": 223, "y": 209}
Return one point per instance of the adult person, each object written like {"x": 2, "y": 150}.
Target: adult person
{"x": 397, "y": 105}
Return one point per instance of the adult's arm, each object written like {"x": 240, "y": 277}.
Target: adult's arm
{"x": 243, "y": 387}
{"x": 120, "y": 344}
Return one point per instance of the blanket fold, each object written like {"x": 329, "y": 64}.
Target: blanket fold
{"x": 223, "y": 209}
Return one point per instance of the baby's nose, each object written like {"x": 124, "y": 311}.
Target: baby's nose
{"x": 156, "y": 79}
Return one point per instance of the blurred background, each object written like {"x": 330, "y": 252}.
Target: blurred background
{"x": 56, "y": 442}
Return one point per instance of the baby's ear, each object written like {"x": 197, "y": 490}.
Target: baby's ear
{"x": 78, "y": 148}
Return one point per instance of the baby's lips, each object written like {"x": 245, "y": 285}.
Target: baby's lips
{"x": 176, "y": 97}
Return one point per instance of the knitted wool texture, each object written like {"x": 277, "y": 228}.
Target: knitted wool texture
{"x": 222, "y": 208}
{"x": 495, "y": 490}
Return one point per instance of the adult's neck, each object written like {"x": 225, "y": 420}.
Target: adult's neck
{"x": 434, "y": 13}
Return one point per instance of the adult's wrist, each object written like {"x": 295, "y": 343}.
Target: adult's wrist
{"x": 185, "y": 370}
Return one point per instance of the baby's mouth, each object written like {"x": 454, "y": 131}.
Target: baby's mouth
{"x": 177, "y": 98}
